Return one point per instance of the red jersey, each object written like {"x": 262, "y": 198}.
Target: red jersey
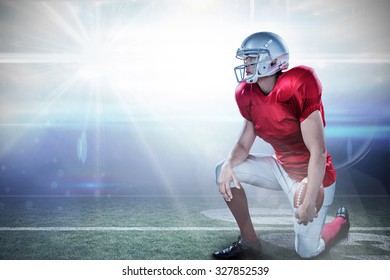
{"x": 278, "y": 115}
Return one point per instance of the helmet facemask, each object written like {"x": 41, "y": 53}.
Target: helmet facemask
{"x": 261, "y": 62}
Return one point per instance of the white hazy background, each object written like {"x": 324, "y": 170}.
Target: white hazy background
{"x": 141, "y": 92}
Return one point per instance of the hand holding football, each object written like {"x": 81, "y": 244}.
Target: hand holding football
{"x": 300, "y": 193}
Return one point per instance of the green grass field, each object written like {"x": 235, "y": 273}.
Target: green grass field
{"x": 175, "y": 228}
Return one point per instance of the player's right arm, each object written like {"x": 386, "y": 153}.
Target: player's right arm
{"x": 238, "y": 154}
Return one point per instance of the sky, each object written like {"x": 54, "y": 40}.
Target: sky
{"x": 134, "y": 97}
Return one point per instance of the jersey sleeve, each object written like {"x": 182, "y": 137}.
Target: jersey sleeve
{"x": 243, "y": 100}
{"x": 308, "y": 95}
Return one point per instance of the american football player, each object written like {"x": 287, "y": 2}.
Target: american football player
{"x": 283, "y": 107}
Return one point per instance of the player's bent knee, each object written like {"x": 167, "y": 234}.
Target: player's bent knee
{"x": 308, "y": 248}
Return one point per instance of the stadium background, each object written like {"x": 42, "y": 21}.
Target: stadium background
{"x": 136, "y": 98}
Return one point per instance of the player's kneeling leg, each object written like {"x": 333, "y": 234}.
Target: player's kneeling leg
{"x": 307, "y": 247}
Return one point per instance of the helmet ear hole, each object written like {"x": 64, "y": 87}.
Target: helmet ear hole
{"x": 273, "y": 62}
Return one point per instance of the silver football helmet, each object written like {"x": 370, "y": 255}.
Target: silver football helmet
{"x": 266, "y": 51}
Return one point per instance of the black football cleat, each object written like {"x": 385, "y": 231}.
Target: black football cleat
{"x": 241, "y": 249}
{"x": 343, "y": 212}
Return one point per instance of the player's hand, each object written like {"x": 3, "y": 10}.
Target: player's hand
{"x": 306, "y": 213}
{"x": 225, "y": 178}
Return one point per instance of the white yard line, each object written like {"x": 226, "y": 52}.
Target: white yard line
{"x": 369, "y": 229}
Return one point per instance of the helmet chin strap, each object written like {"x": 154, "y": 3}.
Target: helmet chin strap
{"x": 252, "y": 80}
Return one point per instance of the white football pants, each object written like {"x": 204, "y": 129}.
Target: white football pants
{"x": 264, "y": 171}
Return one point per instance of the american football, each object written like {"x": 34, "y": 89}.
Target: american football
{"x": 300, "y": 193}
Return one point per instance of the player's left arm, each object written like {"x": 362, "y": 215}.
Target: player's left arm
{"x": 313, "y": 135}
